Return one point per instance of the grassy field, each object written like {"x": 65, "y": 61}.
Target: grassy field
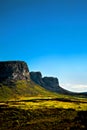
{"x": 44, "y": 113}
{"x": 28, "y": 106}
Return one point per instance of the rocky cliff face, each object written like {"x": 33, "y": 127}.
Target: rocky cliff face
{"x": 12, "y": 71}
{"x": 37, "y": 78}
{"x": 49, "y": 83}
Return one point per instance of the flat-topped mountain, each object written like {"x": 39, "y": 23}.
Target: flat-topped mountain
{"x": 11, "y": 71}
{"x": 49, "y": 83}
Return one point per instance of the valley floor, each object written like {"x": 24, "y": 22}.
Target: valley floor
{"x": 43, "y": 114}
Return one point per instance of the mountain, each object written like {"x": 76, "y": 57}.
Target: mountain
{"x": 51, "y": 84}
{"x": 15, "y": 81}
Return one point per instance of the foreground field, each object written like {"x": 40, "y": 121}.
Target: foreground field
{"x": 44, "y": 114}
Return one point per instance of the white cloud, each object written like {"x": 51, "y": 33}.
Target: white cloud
{"x": 75, "y": 87}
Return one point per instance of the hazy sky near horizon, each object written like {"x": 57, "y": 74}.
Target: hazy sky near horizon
{"x": 50, "y": 35}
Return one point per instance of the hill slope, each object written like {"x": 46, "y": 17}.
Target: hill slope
{"x": 23, "y": 89}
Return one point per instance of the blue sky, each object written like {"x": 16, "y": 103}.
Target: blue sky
{"x": 50, "y": 35}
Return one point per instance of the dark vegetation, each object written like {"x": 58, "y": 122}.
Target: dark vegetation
{"x": 13, "y": 118}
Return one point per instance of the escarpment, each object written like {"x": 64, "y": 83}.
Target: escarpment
{"x": 11, "y": 71}
{"x": 49, "y": 83}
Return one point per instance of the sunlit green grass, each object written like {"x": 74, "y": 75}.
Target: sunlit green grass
{"x": 29, "y": 106}
{"x": 23, "y": 89}
{"x": 59, "y": 112}
{"x": 48, "y": 102}
{"x": 28, "y": 95}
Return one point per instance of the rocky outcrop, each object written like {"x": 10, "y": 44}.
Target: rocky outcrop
{"x": 36, "y": 77}
{"x": 12, "y": 71}
{"x": 49, "y": 83}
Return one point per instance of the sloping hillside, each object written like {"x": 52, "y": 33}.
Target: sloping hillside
{"x": 21, "y": 89}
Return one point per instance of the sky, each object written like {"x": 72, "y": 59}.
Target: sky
{"x": 50, "y": 35}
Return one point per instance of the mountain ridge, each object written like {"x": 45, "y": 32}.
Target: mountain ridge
{"x": 14, "y": 87}
{"x": 51, "y": 84}
{"x": 16, "y": 81}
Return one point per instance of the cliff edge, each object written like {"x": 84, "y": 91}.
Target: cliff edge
{"x": 11, "y": 71}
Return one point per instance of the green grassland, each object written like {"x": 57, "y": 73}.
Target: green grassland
{"x": 22, "y": 89}
{"x": 28, "y": 106}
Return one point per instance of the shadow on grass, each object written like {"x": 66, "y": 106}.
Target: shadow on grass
{"x": 53, "y": 99}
